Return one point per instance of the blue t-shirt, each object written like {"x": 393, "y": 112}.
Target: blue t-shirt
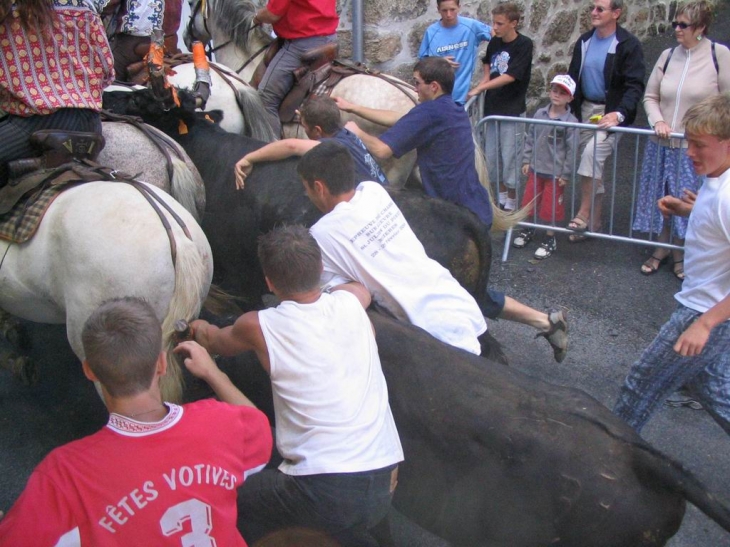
{"x": 440, "y": 132}
{"x": 460, "y": 41}
{"x": 366, "y": 168}
{"x": 592, "y": 82}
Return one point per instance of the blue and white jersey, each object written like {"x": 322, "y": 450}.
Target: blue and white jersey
{"x": 460, "y": 41}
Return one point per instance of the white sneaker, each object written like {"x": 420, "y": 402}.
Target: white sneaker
{"x": 546, "y": 248}
{"x": 523, "y": 238}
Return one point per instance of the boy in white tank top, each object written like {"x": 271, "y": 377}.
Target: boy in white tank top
{"x": 334, "y": 427}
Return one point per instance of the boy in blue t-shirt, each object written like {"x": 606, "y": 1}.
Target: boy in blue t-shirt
{"x": 456, "y": 39}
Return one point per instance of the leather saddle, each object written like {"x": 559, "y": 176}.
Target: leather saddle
{"x": 316, "y": 69}
{"x": 57, "y": 148}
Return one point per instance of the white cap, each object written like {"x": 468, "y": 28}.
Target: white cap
{"x": 566, "y": 82}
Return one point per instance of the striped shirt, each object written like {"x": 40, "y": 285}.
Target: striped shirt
{"x": 67, "y": 67}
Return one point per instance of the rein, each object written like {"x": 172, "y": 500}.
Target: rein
{"x": 153, "y": 199}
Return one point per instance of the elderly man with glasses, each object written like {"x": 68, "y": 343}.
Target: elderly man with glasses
{"x": 608, "y": 66}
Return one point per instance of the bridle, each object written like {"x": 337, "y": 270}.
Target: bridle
{"x": 200, "y": 7}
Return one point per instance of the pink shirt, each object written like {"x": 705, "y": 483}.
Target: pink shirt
{"x": 66, "y": 68}
{"x": 304, "y": 18}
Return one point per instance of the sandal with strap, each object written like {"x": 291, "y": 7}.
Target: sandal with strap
{"x": 678, "y": 271}
{"x": 648, "y": 268}
{"x": 578, "y": 224}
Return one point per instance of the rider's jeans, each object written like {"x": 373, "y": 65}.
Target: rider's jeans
{"x": 279, "y": 76}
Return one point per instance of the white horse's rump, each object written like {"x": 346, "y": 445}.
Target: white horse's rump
{"x": 131, "y": 151}
{"x": 102, "y": 240}
{"x": 243, "y": 113}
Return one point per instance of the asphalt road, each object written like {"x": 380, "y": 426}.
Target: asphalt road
{"x": 614, "y": 312}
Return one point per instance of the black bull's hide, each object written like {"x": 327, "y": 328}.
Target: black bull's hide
{"x": 496, "y": 458}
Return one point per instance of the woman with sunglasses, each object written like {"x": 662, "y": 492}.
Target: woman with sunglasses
{"x": 682, "y": 77}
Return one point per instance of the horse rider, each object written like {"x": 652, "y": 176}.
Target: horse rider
{"x": 130, "y": 29}
{"x": 39, "y": 93}
{"x": 301, "y": 25}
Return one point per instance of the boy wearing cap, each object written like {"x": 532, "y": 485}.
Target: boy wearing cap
{"x": 547, "y": 160}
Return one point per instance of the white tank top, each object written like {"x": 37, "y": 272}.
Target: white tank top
{"x": 368, "y": 240}
{"x": 330, "y": 396}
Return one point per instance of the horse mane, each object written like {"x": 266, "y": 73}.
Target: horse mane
{"x": 235, "y": 19}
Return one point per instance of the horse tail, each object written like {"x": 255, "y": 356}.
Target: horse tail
{"x": 190, "y": 279}
{"x": 186, "y": 184}
{"x": 501, "y": 220}
{"x": 255, "y": 119}
{"x": 186, "y": 190}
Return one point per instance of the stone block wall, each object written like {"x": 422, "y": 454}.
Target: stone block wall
{"x": 394, "y": 29}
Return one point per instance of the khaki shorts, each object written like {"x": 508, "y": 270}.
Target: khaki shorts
{"x": 596, "y": 147}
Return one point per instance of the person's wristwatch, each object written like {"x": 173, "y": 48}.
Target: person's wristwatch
{"x": 620, "y": 117}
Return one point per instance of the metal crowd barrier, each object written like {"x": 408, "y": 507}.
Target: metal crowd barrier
{"x": 622, "y": 174}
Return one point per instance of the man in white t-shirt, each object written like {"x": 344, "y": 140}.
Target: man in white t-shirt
{"x": 364, "y": 237}
{"x": 693, "y": 347}
{"x": 334, "y": 427}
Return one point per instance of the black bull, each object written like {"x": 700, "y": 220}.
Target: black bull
{"x": 493, "y": 457}
{"x": 496, "y": 458}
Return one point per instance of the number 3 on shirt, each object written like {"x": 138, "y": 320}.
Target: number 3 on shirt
{"x": 198, "y": 513}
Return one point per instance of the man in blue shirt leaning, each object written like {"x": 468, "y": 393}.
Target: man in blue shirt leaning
{"x": 456, "y": 39}
{"x": 440, "y": 131}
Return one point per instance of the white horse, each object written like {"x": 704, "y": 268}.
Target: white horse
{"x": 240, "y": 46}
{"x": 150, "y": 155}
{"x": 101, "y": 240}
{"x": 243, "y": 113}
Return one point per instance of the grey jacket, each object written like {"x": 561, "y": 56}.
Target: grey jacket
{"x": 549, "y": 150}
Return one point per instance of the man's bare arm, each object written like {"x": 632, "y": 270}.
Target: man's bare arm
{"x": 242, "y": 336}
{"x": 692, "y": 341}
{"x": 491, "y": 83}
{"x": 201, "y": 365}
{"x": 274, "y": 151}
{"x": 357, "y": 289}
{"x": 265, "y": 16}
{"x": 388, "y": 118}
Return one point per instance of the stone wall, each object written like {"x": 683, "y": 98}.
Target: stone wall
{"x": 394, "y": 28}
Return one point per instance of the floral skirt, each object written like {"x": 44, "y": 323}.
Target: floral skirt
{"x": 665, "y": 171}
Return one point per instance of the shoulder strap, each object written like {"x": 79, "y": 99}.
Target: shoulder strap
{"x": 714, "y": 58}
{"x": 666, "y": 63}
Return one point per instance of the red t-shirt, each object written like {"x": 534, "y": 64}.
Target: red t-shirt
{"x": 169, "y": 483}
{"x": 304, "y": 18}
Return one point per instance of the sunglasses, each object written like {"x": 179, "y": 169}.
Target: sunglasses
{"x": 683, "y": 26}
{"x": 599, "y": 9}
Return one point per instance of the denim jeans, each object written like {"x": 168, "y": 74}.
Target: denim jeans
{"x": 347, "y": 506}
{"x": 660, "y": 371}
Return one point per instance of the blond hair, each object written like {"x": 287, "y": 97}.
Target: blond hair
{"x": 710, "y": 116}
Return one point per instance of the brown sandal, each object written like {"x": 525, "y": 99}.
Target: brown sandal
{"x": 648, "y": 268}
{"x": 678, "y": 271}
